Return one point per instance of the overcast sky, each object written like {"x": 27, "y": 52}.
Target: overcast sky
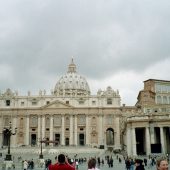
{"x": 117, "y": 43}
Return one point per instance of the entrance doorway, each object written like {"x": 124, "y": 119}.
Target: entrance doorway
{"x": 5, "y": 139}
{"x": 67, "y": 141}
{"x": 33, "y": 139}
{"x": 110, "y": 136}
{"x": 57, "y": 139}
{"x": 81, "y": 139}
{"x": 140, "y": 143}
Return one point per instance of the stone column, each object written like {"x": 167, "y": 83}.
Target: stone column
{"x": 43, "y": 129}
{"x": 100, "y": 126}
{"x": 162, "y": 140}
{"x": 71, "y": 129}
{"x": 1, "y": 131}
{"x": 75, "y": 130}
{"x": 152, "y": 133}
{"x": 117, "y": 138}
{"x": 51, "y": 129}
{"x": 39, "y": 130}
{"x": 148, "y": 142}
{"x": 87, "y": 130}
{"x": 104, "y": 132}
{"x": 128, "y": 141}
{"x": 62, "y": 132}
{"x": 27, "y": 131}
{"x": 134, "y": 141}
{"x": 14, "y": 137}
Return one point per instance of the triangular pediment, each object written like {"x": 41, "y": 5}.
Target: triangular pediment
{"x": 57, "y": 104}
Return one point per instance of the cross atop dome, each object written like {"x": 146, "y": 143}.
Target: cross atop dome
{"x": 71, "y": 67}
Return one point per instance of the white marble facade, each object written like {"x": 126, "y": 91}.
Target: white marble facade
{"x": 71, "y": 116}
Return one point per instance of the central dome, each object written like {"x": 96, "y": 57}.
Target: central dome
{"x": 72, "y": 84}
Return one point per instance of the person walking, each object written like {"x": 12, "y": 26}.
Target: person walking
{"x": 25, "y": 165}
{"x": 139, "y": 164}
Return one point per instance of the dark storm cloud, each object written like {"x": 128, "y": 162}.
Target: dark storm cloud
{"x": 38, "y": 38}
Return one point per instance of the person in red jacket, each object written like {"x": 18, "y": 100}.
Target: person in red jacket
{"x": 62, "y": 164}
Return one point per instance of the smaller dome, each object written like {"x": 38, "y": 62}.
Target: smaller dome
{"x": 72, "y": 84}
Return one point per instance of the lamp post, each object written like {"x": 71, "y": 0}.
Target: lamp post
{"x": 41, "y": 155}
{"x": 8, "y": 132}
{"x": 45, "y": 141}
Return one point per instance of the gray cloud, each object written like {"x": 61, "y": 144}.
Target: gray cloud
{"x": 38, "y": 39}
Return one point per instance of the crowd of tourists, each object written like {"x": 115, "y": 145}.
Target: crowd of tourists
{"x": 63, "y": 162}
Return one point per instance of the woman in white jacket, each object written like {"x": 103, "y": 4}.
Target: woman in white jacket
{"x": 92, "y": 164}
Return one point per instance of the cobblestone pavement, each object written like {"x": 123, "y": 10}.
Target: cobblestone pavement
{"x": 23, "y": 155}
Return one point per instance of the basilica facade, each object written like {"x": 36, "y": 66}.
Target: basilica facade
{"x": 71, "y": 116}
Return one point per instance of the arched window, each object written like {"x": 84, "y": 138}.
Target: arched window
{"x": 57, "y": 120}
{"x": 67, "y": 121}
{"x": 34, "y": 121}
{"x": 165, "y": 101}
{"x": 159, "y": 100}
{"x": 109, "y": 101}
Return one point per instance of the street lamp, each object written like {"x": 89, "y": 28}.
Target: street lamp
{"x": 41, "y": 155}
{"x": 8, "y": 132}
{"x": 41, "y": 141}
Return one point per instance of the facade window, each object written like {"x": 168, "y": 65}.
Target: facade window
{"x": 81, "y": 102}
{"x": 67, "y": 121}
{"x": 159, "y": 100}
{"x": 34, "y": 121}
{"x": 34, "y": 103}
{"x": 81, "y": 120}
{"x": 158, "y": 88}
{"x": 163, "y": 109}
{"x": 67, "y": 129}
{"x": 8, "y": 102}
{"x": 47, "y": 122}
{"x": 93, "y": 102}
{"x": 57, "y": 120}
{"x": 22, "y": 103}
{"x": 67, "y": 102}
{"x": 6, "y": 122}
{"x": 148, "y": 110}
{"x": 109, "y": 101}
{"x": 165, "y": 100}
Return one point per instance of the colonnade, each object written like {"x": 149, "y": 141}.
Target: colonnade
{"x": 73, "y": 130}
{"x": 148, "y": 138}
{"x": 93, "y": 134}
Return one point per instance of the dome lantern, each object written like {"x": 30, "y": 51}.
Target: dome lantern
{"x": 71, "y": 67}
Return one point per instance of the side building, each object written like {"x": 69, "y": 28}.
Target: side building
{"x": 150, "y": 130}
